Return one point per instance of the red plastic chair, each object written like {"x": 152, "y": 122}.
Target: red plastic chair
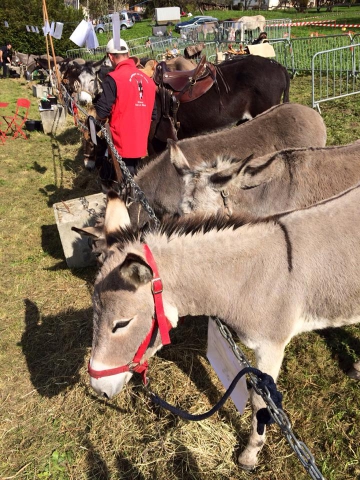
{"x": 17, "y": 121}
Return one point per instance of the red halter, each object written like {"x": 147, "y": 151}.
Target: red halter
{"x": 159, "y": 321}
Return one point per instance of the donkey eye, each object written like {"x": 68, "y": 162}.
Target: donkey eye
{"x": 121, "y": 324}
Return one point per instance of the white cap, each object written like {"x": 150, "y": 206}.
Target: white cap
{"x": 110, "y": 48}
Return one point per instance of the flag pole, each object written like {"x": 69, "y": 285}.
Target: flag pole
{"x": 46, "y": 19}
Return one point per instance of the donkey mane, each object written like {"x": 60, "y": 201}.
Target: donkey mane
{"x": 182, "y": 226}
{"x": 221, "y": 161}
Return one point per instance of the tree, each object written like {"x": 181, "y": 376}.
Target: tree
{"x": 19, "y": 14}
{"x": 97, "y": 8}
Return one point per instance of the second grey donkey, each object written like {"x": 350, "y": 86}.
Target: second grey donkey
{"x": 288, "y": 125}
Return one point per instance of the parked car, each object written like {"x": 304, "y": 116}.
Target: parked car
{"x": 105, "y": 24}
{"x": 194, "y": 21}
{"x": 135, "y": 16}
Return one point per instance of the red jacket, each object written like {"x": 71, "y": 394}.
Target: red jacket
{"x": 130, "y": 117}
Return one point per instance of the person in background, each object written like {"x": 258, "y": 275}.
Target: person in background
{"x": 5, "y": 57}
{"x": 127, "y": 100}
{"x": 262, "y": 38}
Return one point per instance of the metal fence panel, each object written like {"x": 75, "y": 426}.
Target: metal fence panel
{"x": 284, "y": 53}
{"x": 335, "y": 74}
{"x": 236, "y": 31}
{"x": 200, "y": 33}
{"x": 86, "y": 53}
{"x": 303, "y": 49}
{"x": 278, "y": 29}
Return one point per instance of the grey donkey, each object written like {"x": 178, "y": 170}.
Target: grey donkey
{"x": 269, "y": 280}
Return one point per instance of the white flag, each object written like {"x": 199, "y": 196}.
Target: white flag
{"x": 46, "y": 28}
{"x": 91, "y": 38}
{"x": 58, "y": 30}
{"x": 80, "y": 33}
{"x": 116, "y": 30}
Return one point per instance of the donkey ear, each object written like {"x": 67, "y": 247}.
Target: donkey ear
{"x": 223, "y": 177}
{"x": 97, "y": 65}
{"x": 116, "y": 215}
{"x": 93, "y": 232}
{"x": 261, "y": 170}
{"x": 135, "y": 270}
{"x": 177, "y": 158}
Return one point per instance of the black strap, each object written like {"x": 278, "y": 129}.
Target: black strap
{"x": 263, "y": 415}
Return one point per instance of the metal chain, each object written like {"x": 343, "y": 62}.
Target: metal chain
{"x": 139, "y": 194}
{"x": 278, "y": 415}
{"x": 91, "y": 211}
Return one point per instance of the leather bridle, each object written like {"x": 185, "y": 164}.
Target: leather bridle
{"x": 159, "y": 321}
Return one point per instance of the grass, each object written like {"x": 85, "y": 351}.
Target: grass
{"x": 51, "y": 424}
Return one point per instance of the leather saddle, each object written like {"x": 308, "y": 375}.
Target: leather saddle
{"x": 186, "y": 85}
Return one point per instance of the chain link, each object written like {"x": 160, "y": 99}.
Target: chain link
{"x": 91, "y": 211}
{"x": 278, "y": 415}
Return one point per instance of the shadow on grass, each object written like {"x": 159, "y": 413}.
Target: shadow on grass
{"x": 343, "y": 345}
{"x": 183, "y": 467}
{"x": 51, "y": 244}
{"x": 83, "y": 183}
{"x": 55, "y": 347}
{"x": 97, "y": 466}
{"x": 188, "y": 352}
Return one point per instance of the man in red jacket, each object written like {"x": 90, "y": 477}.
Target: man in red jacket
{"x": 128, "y": 101}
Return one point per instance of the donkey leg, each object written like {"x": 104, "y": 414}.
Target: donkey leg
{"x": 354, "y": 372}
{"x": 268, "y": 360}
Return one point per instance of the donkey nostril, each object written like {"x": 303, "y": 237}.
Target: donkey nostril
{"x": 105, "y": 395}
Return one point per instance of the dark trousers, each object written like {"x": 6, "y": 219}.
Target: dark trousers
{"x": 106, "y": 168}
{"x": 131, "y": 164}
{"x": 5, "y": 69}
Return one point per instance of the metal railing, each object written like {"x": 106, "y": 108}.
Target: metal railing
{"x": 335, "y": 74}
{"x": 304, "y": 48}
{"x": 333, "y": 60}
{"x": 237, "y": 31}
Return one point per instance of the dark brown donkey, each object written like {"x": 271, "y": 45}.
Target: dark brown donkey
{"x": 241, "y": 89}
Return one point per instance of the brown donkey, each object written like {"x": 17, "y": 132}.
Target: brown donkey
{"x": 287, "y": 274}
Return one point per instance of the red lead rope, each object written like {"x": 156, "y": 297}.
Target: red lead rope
{"x": 159, "y": 319}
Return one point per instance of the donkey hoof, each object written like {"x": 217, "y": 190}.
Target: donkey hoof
{"x": 354, "y": 373}
{"x": 246, "y": 463}
{"x": 247, "y": 468}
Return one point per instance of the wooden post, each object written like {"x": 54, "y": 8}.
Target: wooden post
{"x": 46, "y": 19}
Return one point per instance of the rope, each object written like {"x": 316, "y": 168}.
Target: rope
{"x": 263, "y": 415}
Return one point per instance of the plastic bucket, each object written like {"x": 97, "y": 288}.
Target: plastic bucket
{"x": 52, "y": 100}
{"x": 45, "y": 104}
{"x": 30, "y": 125}
{"x": 38, "y": 126}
